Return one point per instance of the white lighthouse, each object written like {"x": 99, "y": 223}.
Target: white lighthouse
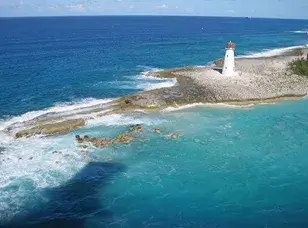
{"x": 228, "y": 68}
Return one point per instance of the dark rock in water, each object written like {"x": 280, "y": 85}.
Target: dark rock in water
{"x": 2, "y": 149}
{"x": 123, "y": 138}
{"x": 135, "y": 128}
{"x": 86, "y": 137}
{"x": 157, "y": 130}
{"x": 79, "y": 139}
{"x": 172, "y": 136}
{"x": 101, "y": 143}
{"x": 83, "y": 147}
{"x": 18, "y": 135}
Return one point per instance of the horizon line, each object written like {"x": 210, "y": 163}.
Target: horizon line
{"x": 149, "y": 15}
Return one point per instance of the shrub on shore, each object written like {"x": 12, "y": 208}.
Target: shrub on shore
{"x": 300, "y": 66}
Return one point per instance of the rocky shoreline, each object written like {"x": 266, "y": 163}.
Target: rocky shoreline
{"x": 259, "y": 80}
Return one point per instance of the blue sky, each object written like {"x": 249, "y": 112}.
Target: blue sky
{"x": 254, "y": 8}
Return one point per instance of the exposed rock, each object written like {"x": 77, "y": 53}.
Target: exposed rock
{"x": 100, "y": 143}
{"x": 123, "y": 138}
{"x": 135, "y": 128}
{"x": 52, "y": 128}
{"x": 157, "y": 130}
{"x": 219, "y": 62}
{"x": 2, "y": 149}
{"x": 79, "y": 139}
{"x": 84, "y": 147}
{"x": 172, "y": 136}
{"x": 86, "y": 138}
{"x": 259, "y": 80}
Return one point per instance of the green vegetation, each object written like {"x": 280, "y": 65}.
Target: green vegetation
{"x": 300, "y": 66}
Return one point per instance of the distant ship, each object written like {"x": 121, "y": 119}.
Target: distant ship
{"x": 247, "y": 17}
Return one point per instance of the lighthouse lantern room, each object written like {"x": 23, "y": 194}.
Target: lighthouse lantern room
{"x": 228, "y": 67}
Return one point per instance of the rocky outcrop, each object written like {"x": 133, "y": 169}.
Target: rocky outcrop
{"x": 219, "y": 62}
{"x": 135, "y": 128}
{"x": 52, "y": 128}
{"x": 124, "y": 138}
{"x": 157, "y": 131}
{"x": 259, "y": 80}
{"x": 96, "y": 142}
{"x": 105, "y": 142}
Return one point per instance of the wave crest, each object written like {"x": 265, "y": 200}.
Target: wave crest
{"x": 301, "y": 31}
{"x": 271, "y": 52}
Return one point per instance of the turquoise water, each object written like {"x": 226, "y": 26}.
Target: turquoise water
{"x": 229, "y": 167}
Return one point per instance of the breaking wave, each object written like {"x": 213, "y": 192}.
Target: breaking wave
{"x": 143, "y": 81}
{"x": 58, "y": 108}
{"x": 138, "y": 82}
{"x": 270, "y": 52}
{"x": 210, "y": 105}
{"x": 301, "y": 31}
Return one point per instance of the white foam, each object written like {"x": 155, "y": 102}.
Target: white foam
{"x": 151, "y": 86}
{"x": 270, "y": 52}
{"x": 33, "y": 162}
{"x": 122, "y": 120}
{"x": 145, "y": 82}
{"x": 301, "y": 31}
{"x": 64, "y": 107}
{"x": 149, "y": 68}
{"x": 154, "y": 82}
{"x": 172, "y": 109}
{"x": 212, "y": 105}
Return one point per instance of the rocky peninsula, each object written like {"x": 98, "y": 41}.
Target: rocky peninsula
{"x": 258, "y": 80}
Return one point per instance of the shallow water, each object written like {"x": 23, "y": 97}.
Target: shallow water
{"x": 229, "y": 167}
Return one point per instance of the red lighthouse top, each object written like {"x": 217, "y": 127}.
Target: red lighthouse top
{"x": 230, "y": 45}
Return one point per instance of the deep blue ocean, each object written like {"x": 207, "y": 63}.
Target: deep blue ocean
{"x": 230, "y": 167}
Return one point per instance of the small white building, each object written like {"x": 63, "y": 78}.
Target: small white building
{"x": 229, "y": 65}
